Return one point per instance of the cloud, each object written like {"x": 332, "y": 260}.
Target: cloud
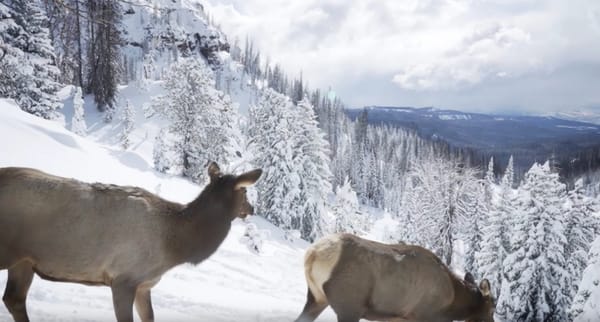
{"x": 482, "y": 54}
{"x": 436, "y": 51}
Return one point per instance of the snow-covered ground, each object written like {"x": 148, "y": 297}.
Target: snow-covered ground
{"x": 235, "y": 284}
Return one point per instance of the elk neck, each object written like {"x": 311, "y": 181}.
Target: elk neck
{"x": 468, "y": 300}
{"x": 199, "y": 228}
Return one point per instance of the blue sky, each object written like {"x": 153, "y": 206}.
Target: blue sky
{"x": 528, "y": 56}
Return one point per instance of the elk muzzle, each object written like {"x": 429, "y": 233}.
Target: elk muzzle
{"x": 246, "y": 209}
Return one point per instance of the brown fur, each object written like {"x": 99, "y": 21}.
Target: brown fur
{"x": 100, "y": 234}
{"x": 359, "y": 278}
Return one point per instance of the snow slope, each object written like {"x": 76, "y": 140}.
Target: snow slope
{"x": 590, "y": 287}
{"x": 233, "y": 285}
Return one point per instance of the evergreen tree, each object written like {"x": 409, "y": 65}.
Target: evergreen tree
{"x": 478, "y": 208}
{"x": 27, "y": 71}
{"x": 78, "y": 125}
{"x": 435, "y": 203}
{"x": 508, "y": 180}
{"x": 581, "y": 229}
{"x": 161, "y": 152}
{"x": 536, "y": 282}
{"x": 490, "y": 178}
{"x": 104, "y": 57}
{"x": 585, "y": 303}
{"x": 149, "y": 67}
{"x": 316, "y": 176}
{"x": 495, "y": 233}
{"x": 68, "y": 37}
{"x": 346, "y": 211}
{"x": 202, "y": 121}
{"x": 128, "y": 125}
{"x": 288, "y": 144}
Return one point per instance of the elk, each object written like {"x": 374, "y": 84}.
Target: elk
{"x": 98, "y": 234}
{"x": 360, "y": 278}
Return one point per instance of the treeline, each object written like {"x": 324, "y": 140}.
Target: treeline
{"x": 48, "y": 43}
{"x": 374, "y": 159}
{"x": 60, "y": 42}
{"x": 531, "y": 240}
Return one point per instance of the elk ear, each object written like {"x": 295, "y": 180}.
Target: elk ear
{"x": 247, "y": 179}
{"x": 469, "y": 278}
{"x": 484, "y": 286}
{"x": 214, "y": 172}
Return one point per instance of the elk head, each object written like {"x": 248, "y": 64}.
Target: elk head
{"x": 485, "y": 311}
{"x": 231, "y": 190}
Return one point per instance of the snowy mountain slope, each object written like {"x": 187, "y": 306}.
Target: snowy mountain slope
{"x": 233, "y": 285}
{"x": 163, "y": 30}
{"x": 529, "y": 138}
{"x": 588, "y": 116}
{"x": 158, "y": 34}
{"x": 485, "y": 131}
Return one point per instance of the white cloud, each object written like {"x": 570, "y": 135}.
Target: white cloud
{"x": 482, "y": 54}
{"x": 426, "y": 48}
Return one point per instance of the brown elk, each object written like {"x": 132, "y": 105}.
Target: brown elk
{"x": 359, "y": 278}
{"x": 97, "y": 234}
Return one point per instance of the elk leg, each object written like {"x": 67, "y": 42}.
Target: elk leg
{"x": 19, "y": 279}
{"x": 123, "y": 293}
{"x": 143, "y": 304}
{"x": 348, "y": 304}
{"x": 312, "y": 309}
{"x": 348, "y": 317}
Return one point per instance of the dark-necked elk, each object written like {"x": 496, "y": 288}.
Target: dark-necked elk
{"x": 98, "y": 234}
{"x": 359, "y": 278}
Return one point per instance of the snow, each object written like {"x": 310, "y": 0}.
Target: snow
{"x": 235, "y": 284}
{"x": 451, "y": 117}
{"x": 589, "y": 115}
{"x": 589, "y": 294}
{"x": 578, "y": 128}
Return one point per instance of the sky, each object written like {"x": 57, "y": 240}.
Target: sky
{"x": 526, "y": 56}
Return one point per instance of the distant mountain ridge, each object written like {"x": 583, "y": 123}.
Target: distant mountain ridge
{"x": 529, "y": 138}
{"x": 587, "y": 116}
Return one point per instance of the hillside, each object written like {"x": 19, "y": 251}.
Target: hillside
{"x": 148, "y": 92}
{"x": 583, "y": 115}
{"x": 529, "y": 138}
{"x": 233, "y": 285}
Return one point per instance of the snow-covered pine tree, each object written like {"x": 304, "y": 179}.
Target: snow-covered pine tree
{"x": 316, "y": 177}
{"x": 27, "y": 71}
{"x": 508, "y": 180}
{"x": 128, "y": 119}
{"x": 202, "y": 121}
{"x": 346, "y": 211}
{"x": 78, "y": 125}
{"x": 477, "y": 209}
{"x": 536, "y": 281}
{"x": 434, "y": 204}
{"x": 149, "y": 67}
{"x": 271, "y": 142}
{"x": 581, "y": 229}
{"x": 490, "y": 177}
{"x": 161, "y": 152}
{"x": 291, "y": 149}
{"x": 585, "y": 304}
{"x": 495, "y": 230}
{"x": 416, "y": 205}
